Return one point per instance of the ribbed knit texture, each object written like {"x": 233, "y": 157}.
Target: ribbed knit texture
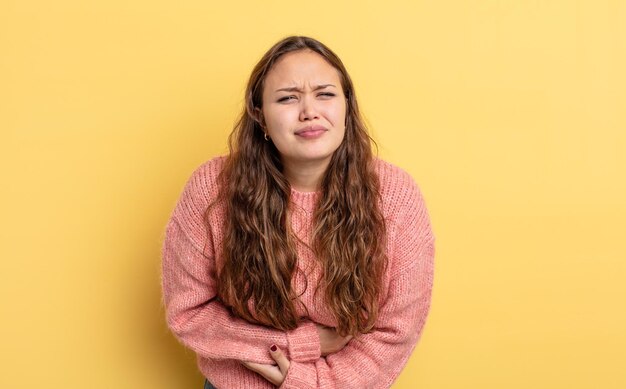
{"x": 192, "y": 253}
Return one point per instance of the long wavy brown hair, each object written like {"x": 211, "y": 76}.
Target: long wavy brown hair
{"x": 259, "y": 246}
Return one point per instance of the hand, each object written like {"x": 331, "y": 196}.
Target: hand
{"x": 273, "y": 373}
{"x": 330, "y": 340}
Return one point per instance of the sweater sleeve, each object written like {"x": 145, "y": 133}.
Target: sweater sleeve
{"x": 194, "y": 314}
{"x": 375, "y": 359}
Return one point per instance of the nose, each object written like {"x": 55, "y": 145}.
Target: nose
{"x": 308, "y": 111}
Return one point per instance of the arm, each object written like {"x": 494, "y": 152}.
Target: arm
{"x": 375, "y": 360}
{"x": 195, "y": 316}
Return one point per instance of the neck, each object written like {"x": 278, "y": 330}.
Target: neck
{"x": 305, "y": 176}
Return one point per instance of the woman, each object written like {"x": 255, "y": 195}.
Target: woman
{"x": 299, "y": 260}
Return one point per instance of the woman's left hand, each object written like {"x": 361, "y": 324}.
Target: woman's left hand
{"x": 273, "y": 373}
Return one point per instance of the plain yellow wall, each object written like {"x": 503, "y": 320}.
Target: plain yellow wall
{"x": 509, "y": 114}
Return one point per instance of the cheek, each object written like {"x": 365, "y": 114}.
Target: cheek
{"x": 337, "y": 113}
{"x": 272, "y": 121}
{"x": 279, "y": 120}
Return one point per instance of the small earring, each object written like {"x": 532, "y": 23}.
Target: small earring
{"x": 265, "y": 136}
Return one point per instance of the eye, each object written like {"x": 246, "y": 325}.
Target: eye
{"x": 327, "y": 94}
{"x": 286, "y": 98}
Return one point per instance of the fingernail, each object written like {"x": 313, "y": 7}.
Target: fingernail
{"x": 273, "y": 348}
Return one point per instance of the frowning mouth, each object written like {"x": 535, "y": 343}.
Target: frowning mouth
{"x": 311, "y": 131}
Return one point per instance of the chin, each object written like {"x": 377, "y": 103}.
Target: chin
{"x": 321, "y": 157}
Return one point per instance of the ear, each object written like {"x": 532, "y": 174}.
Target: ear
{"x": 258, "y": 116}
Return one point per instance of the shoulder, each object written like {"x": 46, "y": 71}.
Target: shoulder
{"x": 399, "y": 193}
{"x": 410, "y": 232}
{"x": 201, "y": 189}
{"x": 202, "y": 184}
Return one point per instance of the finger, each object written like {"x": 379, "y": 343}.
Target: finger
{"x": 251, "y": 365}
{"x": 280, "y": 358}
{"x": 269, "y": 372}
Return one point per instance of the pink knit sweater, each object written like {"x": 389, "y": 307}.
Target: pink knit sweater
{"x": 192, "y": 252}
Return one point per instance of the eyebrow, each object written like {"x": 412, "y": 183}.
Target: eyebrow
{"x": 296, "y": 89}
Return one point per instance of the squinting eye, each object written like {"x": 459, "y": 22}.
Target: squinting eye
{"x": 286, "y": 98}
{"x": 327, "y": 94}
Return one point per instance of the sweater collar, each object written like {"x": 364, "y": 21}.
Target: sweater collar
{"x": 306, "y": 200}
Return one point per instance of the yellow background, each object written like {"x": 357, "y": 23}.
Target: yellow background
{"x": 509, "y": 114}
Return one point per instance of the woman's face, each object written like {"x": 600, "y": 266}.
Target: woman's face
{"x": 304, "y": 107}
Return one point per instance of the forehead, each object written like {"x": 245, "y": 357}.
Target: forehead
{"x": 301, "y": 68}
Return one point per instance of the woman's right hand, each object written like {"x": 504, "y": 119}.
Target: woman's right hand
{"x": 330, "y": 340}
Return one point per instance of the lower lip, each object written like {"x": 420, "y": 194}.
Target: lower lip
{"x": 311, "y": 134}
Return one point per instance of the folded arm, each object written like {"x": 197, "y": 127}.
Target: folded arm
{"x": 202, "y": 323}
{"x": 375, "y": 360}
